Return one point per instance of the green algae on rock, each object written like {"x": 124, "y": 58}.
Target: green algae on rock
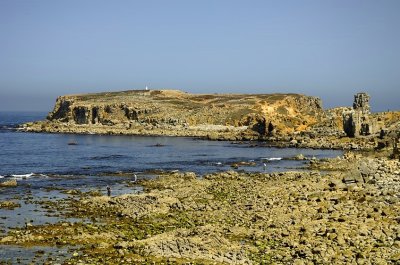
{"x": 238, "y": 218}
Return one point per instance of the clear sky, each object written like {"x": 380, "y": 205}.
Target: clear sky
{"x": 329, "y": 49}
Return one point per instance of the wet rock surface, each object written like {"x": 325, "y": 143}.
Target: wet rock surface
{"x": 9, "y": 183}
{"x": 9, "y": 205}
{"x": 348, "y": 214}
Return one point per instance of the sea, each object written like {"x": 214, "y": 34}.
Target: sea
{"x": 42, "y": 154}
{"x": 42, "y": 163}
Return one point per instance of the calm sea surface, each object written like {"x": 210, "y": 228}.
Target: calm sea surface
{"x": 42, "y": 153}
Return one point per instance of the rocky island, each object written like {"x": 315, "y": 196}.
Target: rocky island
{"x": 284, "y": 119}
{"x": 176, "y": 113}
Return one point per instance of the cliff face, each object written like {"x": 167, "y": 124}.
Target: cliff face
{"x": 172, "y": 112}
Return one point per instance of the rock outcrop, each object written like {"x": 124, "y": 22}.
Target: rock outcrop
{"x": 172, "y": 112}
{"x": 359, "y": 121}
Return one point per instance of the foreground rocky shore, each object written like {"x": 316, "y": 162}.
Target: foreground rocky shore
{"x": 340, "y": 211}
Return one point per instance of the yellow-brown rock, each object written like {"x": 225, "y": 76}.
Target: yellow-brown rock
{"x": 9, "y": 183}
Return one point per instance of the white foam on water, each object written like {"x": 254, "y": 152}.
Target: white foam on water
{"x": 23, "y": 176}
{"x": 275, "y": 158}
{"x": 272, "y": 158}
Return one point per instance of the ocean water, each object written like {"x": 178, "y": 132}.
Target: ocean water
{"x": 66, "y": 154}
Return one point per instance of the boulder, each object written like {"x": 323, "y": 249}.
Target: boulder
{"x": 9, "y": 205}
{"x": 9, "y": 183}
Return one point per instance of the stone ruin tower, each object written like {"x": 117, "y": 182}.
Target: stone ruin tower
{"x": 358, "y": 121}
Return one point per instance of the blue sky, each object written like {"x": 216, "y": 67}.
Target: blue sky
{"x": 329, "y": 49}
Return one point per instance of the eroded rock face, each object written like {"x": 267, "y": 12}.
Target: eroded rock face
{"x": 171, "y": 112}
{"x": 61, "y": 110}
{"x": 81, "y": 115}
{"x": 358, "y": 121}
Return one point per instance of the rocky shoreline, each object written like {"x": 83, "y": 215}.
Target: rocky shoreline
{"x": 339, "y": 211}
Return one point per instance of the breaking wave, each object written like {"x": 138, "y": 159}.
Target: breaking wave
{"x": 23, "y": 176}
{"x": 271, "y": 158}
